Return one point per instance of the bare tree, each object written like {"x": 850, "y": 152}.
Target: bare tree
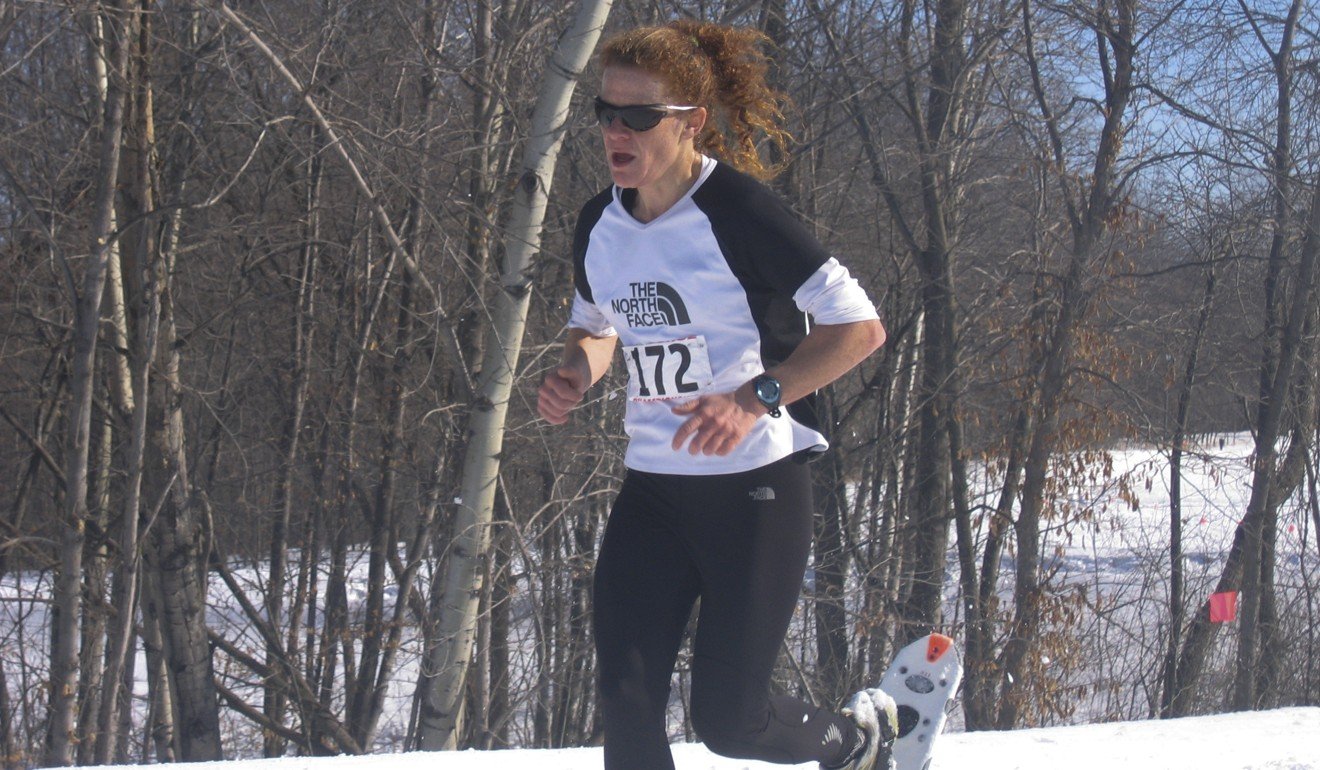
{"x": 1093, "y": 215}
{"x": 1177, "y": 591}
{"x": 62, "y": 736}
{"x": 1284, "y": 398}
{"x": 303, "y": 350}
{"x": 441, "y": 713}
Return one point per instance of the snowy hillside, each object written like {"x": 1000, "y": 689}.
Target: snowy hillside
{"x": 1288, "y": 739}
{"x": 1115, "y": 546}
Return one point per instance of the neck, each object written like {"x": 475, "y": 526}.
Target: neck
{"x": 658, "y": 197}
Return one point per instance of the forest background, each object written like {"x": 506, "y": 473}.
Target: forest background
{"x": 281, "y": 279}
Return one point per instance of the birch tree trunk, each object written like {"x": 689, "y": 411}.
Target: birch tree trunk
{"x": 442, "y": 684}
{"x": 132, "y": 279}
{"x": 158, "y": 731}
{"x": 179, "y": 543}
{"x": 60, "y": 736}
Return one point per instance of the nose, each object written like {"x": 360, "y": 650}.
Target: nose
{"x": 614, "y": 127}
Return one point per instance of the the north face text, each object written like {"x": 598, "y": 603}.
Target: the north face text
{"x": 652, "y": 304}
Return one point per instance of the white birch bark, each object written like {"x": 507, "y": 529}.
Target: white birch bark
{"x": 65, "y": 661}
{"x": 442, "y": 684}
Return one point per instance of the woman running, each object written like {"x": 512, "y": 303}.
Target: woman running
{"x": 708, "y": 279}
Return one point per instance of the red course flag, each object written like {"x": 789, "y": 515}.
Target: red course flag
{"x": 1223, "y": 607}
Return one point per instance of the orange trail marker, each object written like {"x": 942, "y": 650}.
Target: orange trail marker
{"x": 1223, "y": 607}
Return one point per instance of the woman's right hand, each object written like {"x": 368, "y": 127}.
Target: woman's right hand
{"x": 561, "y": 391}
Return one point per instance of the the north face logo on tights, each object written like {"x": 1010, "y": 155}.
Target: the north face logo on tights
{"x": 652, "y": 303}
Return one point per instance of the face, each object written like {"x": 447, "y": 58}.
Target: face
{"x": 646, "y": 158}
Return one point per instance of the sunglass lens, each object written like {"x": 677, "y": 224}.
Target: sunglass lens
{"x": 641, "y": 118}
{"x": 635, "y": 118}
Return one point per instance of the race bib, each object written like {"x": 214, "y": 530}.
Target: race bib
{"x": 665, "y": 370}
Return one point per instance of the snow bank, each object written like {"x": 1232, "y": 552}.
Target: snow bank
{"x": 1286, "y": 739}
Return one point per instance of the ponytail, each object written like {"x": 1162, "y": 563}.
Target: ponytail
{"x": 722, "y": 69}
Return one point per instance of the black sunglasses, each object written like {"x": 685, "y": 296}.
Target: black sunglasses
{"x": 638, "y": 117}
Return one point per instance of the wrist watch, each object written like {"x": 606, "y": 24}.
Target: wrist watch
{"x": 768, "y": 392}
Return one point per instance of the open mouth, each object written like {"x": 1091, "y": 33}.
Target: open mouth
{"x": 621, "y": 158}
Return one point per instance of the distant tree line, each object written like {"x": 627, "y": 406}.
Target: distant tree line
{"x": 280, "y": 279}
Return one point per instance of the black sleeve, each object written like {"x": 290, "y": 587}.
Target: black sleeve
{"x": 765, "y": 242}
{"x": 772, "y": 254}
{"x": 587, "y": 219}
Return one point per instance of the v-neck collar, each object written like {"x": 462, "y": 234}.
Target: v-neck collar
{"x": 626, "y": 198}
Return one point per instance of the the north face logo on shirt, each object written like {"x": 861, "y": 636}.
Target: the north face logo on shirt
{"x": 652, "y": 303}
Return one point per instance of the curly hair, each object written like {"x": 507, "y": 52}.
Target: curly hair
{"x": 718, "y": 67}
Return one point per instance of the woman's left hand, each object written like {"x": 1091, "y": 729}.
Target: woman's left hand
{"x": 717, "y": 423}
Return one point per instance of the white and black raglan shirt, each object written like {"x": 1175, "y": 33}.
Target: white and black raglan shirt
{"x": 703, "y": 298}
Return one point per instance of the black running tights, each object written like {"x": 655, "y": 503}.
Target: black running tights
{"x": 739, "y": 543}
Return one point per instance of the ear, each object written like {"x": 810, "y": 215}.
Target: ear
{"x": 696, "y": 121}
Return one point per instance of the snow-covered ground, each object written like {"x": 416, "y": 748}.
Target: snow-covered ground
{"x": 1111, "y": 537}
{"x": 1287, "y": 739}
{"x": 1127, "y": 504}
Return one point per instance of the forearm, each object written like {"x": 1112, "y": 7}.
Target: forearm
{"x": 589, "y": 354}
{"x": 824, "y": 355}
{"x": 586, "y": 359}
